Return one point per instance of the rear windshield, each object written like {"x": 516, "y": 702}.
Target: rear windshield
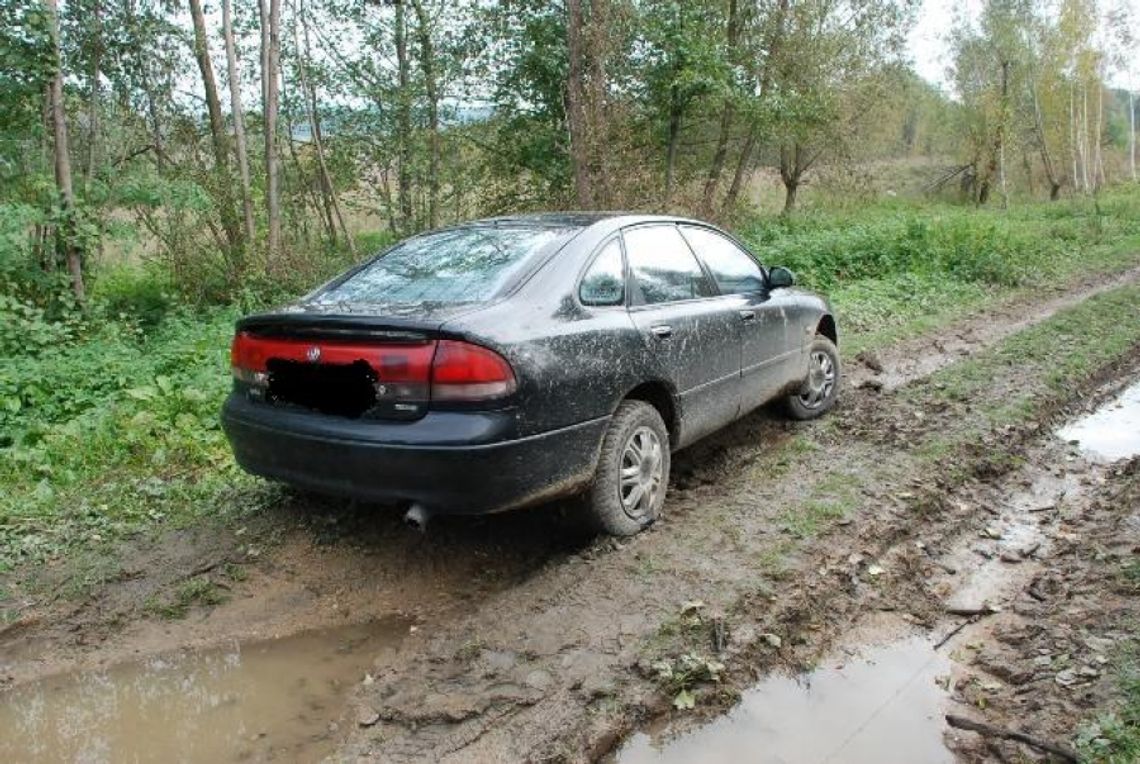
{"x": 470, "y": 264}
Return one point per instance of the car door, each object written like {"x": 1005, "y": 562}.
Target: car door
{"x": 692, "y": 331}
{"x": 771, "y": 352}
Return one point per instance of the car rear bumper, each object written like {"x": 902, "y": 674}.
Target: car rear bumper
{"x": 447, "y": 461}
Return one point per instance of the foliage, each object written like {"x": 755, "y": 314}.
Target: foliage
{"x": 890, "y": 263}
{"x": 1114, "y": 737}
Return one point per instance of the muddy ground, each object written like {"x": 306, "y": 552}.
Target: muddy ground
{"x": 520, "y": 638}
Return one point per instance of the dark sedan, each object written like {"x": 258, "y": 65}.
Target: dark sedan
{"x": 505, "y": 362}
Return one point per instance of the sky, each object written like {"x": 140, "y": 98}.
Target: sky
{"x": 927, "y": 44}
{"x": 928, "y": 49}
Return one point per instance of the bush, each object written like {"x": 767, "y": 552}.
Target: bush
{"x": 142, "y": 294}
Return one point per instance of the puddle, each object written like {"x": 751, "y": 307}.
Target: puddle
{"x": 245, "y": 702}
{"x": 879, "y": 707}
{"x": 1111, "y": 432}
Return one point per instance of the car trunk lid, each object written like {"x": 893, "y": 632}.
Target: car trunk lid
{"x": 362, "y": 366}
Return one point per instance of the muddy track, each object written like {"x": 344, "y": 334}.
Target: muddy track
{"x": 531, "y": 640}
{"x": 913, "y": 359}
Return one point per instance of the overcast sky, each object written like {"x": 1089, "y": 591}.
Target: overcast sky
{"x": 928, "y": 45}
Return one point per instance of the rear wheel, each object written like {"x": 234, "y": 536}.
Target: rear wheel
{"x": 821, "y": 388}
{"x": 633, "y": 471}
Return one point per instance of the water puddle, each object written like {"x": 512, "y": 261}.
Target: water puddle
{"x": 882, "y": 706}
{"x": 278, "y": 699}
{"x": 1111, "y": 432}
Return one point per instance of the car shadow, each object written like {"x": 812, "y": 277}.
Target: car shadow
{"x": 534, "y": 533}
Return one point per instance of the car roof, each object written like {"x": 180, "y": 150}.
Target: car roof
{"x": 580, "y": 219}
{"x": 555, "y": 219}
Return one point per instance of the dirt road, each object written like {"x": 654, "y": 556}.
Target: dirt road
{"x": 519, "y": 638}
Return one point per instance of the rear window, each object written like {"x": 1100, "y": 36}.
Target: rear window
{"x": 470, "y": 264}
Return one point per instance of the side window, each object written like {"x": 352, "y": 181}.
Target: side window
{"x": 604, "y": 282}
{"x": 663, "y": 265}
{"x": 735, "y": 271}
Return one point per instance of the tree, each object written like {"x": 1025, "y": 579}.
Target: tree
{"x": 728, "y": 110}
{"x": 824, "y": 79}
{"x": 237, "y": 113}
{"x": 431, "y": 88}
{"x": 270, "y": 14}
{"x": 683, "y": 63}
{"x": 69, "y": 238}
{"x": 219, "y": 137}
{"x": 575, "y": 106}
{"x": 309, "y": 93}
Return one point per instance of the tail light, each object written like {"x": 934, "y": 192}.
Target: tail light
{"x": 407, "y": 376}
{"x": 465, "y": 372}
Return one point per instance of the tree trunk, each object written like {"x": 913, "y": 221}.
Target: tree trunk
{"x": 726, "y": 117}
{"x": 1027, "y": 166}
{"x": 404, "y": 120}
{"x": 94, "y": 94}
{"x": 310, "y": 94}
{"x": 217, "y": 130}
{"x": 791, "y": 171}
{"x": 1073, "y": 139}
{"x": 597, "y": 123}
{"x": 791, "y": 188}
{"x": 1098, "y": 163}
{"x": 1043, "y": 147}
{"x": 1132, "y": 131}
{"x": 742, "y": 167}
{"x": 427, "y": 63}
{"x": 238, "y": 116}
{"x": 1084, "y": 139}
{"x": 676, "y": 107}
{"x": 575, "y": 107}
{"x": 270, "y": 61}
{"x": 996, "y": 165}
{"x": 69, "y": 239}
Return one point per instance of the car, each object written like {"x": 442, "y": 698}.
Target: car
{"x": 506, "y": 362}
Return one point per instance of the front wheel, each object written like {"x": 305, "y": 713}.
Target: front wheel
{"x": 633, "y": 471}
{"x": 821, "y": 388}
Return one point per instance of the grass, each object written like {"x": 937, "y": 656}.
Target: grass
{"x": 1061, "y": 351}
{"x": 898, "y": 269}
{"x": 198, "y": 591}
{"x": 1114, "y": 738}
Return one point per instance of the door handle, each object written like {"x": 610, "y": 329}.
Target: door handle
{"x": 662, "y": 331}
{"x": 747, "y": 315}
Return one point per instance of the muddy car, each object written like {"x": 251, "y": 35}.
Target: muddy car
{"x": 505, "y": 362}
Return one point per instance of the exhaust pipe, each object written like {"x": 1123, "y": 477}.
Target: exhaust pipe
{"x": 417, "y": 517}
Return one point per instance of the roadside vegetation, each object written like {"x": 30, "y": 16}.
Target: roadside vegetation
{"x": 1114, "y": 737}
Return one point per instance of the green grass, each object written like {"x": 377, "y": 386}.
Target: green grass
{"x": 900, "y": 268}
{"x": 1114, "y": 738}
{"x": 199, "y": 591}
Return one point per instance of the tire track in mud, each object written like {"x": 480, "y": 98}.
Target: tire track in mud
{"x": 906, "y": 361}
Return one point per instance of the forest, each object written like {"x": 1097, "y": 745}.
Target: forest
{"x": 223, "y": 149}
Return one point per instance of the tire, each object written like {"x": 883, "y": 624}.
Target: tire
{"x": 821, "y": 389}
{"x": 625, "y": 509}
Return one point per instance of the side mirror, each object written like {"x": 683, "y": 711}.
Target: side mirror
{"x": 779, "y": 276}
